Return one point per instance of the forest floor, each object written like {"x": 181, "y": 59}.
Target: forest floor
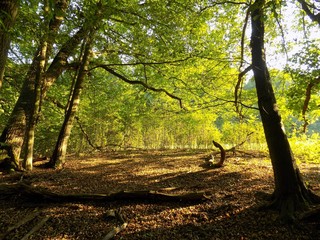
{"x": 235, "y": 193}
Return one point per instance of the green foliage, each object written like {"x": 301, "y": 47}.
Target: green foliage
{"x": 305, "y": 72}
{"x": 306, "y": 148}
{"x": 189, "y": 48}
{"x": 237, "y": 132}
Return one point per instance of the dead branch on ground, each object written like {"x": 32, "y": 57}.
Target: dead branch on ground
{"x": 44, "y": 195}
{"x": 224, "y": 151}
{"x": 115, "y": 230}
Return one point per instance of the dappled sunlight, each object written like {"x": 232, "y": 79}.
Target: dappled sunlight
{"x": 234, "y": 191}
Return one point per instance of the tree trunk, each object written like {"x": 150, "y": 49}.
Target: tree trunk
{"x": 58, "y": 157}
{"x": 290, "y": 193}
{"x": 21, "y": 124}
{"x": 34, "y": 108}
{"x": 50, "y": 26}
{"x": 8, "y": 13}
{"x": 14, "y": 133}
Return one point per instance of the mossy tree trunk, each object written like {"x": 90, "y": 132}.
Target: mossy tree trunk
{"x": 290, "y": 193}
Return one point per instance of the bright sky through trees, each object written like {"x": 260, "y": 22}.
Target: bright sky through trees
{"x": 292, "y": 33}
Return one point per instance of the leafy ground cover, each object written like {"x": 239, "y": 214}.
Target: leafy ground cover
{"x": 236, "y": 191}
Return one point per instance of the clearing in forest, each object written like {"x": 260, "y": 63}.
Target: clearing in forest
{"x": 229, "y": 211}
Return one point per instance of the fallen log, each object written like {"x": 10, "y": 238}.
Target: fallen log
{"x": 44, "y": 195}
{"x": 115, "y": 231}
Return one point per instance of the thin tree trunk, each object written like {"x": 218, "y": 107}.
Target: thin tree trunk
{"x": 58, "y": 157}
{"x": 290, "y": 192}
{"x": 307, "y": 99}
{"x": 8, "y": 13}
{"x": 35, "y": 106}
{"x": 52, "y": 25}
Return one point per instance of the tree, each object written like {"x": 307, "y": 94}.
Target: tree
{"x": 290, "y": 193}
{"x": 21, "y": 123}
{"x": 59, "y": 154}
{"x": 8, "y": 13}
{"x": 147, "y": 43}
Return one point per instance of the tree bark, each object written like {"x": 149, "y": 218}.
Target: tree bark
{"x": 8, "y": 13}
{"x": 14, "y": 133}
{"x": 59, "y": 154}
{"x": 290, "y": 193}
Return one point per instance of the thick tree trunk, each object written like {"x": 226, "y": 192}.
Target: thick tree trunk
{"x": 45, "y": 47}
{"x": 59, "y": 154}
{"x": 21, "y": 124}
{"x": 8, "y": 13}
{"x": 290, "y": 192}
{"x": 13, "y": 135}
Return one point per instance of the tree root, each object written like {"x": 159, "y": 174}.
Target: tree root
{"x": 312, "y": 214}
{"x": 290, "y": 207}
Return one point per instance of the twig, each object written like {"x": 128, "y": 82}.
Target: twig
{"x": 36, "y": 227}
{"x": 26, "y": 219}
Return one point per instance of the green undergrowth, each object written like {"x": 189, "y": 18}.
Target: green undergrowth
{"x": 306, "y": 148}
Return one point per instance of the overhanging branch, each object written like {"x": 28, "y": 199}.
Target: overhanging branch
{"x": 125, "y": 79}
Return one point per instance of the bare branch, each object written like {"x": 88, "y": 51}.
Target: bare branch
{"x": 223, "y": 2}
{"x": 125, "y": 79}
{"x": 243, "y": 36}
{"x": 307, "y": 8}
{"x": 237, "y": 88}
{"x": 149, "y": 63}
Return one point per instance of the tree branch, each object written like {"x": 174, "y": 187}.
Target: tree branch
{"x": 306, "y": 8}
{"x": 237, "y": 88}
{"x": 307, "y": 100}
{"x": 86, "y": 134}
{"x": 125, "y": 79}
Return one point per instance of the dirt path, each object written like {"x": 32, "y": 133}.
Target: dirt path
{"x": 231, "y": 213}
